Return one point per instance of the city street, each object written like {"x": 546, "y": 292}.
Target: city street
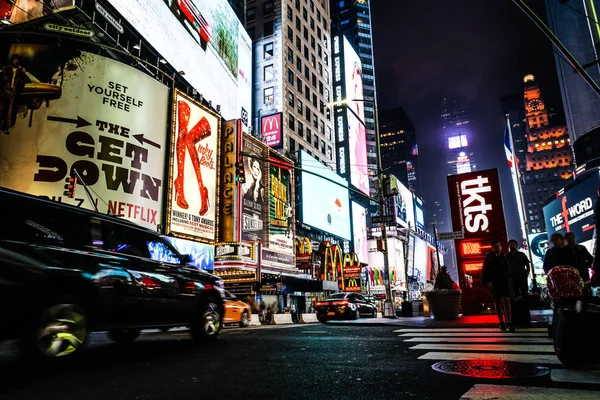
{"x": 289, "y": 362}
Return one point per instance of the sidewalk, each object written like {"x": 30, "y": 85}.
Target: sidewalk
{"x": 539, "y": 318}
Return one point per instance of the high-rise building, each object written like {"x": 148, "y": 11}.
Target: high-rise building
{"x": 575, "y": 23}
{"x": 549, "y": 160}
{"x": 399, "y": 149}
{"x": 292, "y": 91}
{"x": 238, "y": 8}
{"x": 352, "y": 19}
{"x": 457, "y": 135}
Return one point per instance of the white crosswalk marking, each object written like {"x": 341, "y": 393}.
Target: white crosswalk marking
{"x": 463, "y": 330}
{"x": 486, "y": 392}
{"x": 519, "y": 348}
{"x": 476, "y": 334}
{"x": 496, "y": 340}
{"x": 546, "y": 359}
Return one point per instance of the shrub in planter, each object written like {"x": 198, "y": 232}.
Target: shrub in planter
{"x": 444, "y": 300}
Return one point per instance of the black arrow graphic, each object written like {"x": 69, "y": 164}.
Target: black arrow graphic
{"x": 140, "y": 138}
{"x": 79, "y": 122}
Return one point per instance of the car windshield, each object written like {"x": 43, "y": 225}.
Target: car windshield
{"x": 338, "y": 296}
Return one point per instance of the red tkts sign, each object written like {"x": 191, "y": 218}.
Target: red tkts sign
{"x": 476, "y": 207}
{"x": 271, "y": 130}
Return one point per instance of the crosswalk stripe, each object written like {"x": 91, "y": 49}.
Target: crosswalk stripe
{"x": 484, "y": 392}
{"x": 524, "y": 358}
{"x": 476, "y": 334}
{"x": 523, "y": 348}
{"x": 576, "y": 376}
{"x": 465, "y": 330}
{"x": 498, "y": 340}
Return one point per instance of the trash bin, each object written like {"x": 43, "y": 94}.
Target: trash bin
{"x": 407, "y": 309}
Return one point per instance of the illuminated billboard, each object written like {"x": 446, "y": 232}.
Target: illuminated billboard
{"x": 477, "y": 210}
{"x": 193, "y": 189}
{"x": 281, "y": 210}
{"x": 457, "y": 142}
{"x": 202, "y": 255}
{"x": 205, "y": 40}
{"x": 271, "y": 130}
{"x": 325, "y": 203}
{"x": 419, "y": 214}
{"x": 350, "y": 115}
{"x": 359, "y": 232}
{"x": 75, "y": 111}
{"x": 421, "y": 260}
{"x": 253, "y": 190}
{"x": 574, "y": 210}
{"x": 17, "y": 11}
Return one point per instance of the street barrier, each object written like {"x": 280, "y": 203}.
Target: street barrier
{"x": 283, "y": 319}
{"x": 309, "y": 318}
{"x": 254, "y": 321}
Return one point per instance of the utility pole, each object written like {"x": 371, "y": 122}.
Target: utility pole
{"x": 437, "y": 249}
{"x": 388, "y": 305}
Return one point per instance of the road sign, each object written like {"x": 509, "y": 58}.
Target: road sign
{"x": 451, "y": 235}
{"x": 386, "y": 219}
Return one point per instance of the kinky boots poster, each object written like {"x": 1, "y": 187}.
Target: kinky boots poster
{"x": 68, "y": 112}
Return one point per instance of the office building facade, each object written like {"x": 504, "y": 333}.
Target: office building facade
{"x": 293, "y": 83}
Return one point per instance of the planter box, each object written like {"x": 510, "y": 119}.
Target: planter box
{"x": 444, "y": 304}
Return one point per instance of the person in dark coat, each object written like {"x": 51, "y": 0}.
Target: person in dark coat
{"x": 558, "y": 254}
{"x": 496, "y": 276}
{"x": 519, "y": 268}
{"x": 583, "y": 258}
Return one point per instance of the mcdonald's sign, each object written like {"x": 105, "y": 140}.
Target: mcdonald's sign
{"x": 271, "y": 129}
{"x": 303, "y": 253}
{"x": 332, "y": 262}
{"x": 351, "y": 273}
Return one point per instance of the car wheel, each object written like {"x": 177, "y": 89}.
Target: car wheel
{"x": 60, "y": 330}
{"x": 322, "y": 320}
{"x": 207, "y": 323}
{"x": 374, "y": 315}
{"x": 245, "y": 320}
{"x": 356, "y": 314}
{"x": 124, "y": 335}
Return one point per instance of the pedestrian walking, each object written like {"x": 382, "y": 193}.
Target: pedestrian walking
{"x": 519, "y": 268}
{"x": 558, "y": 254}
{"x": 496, "y": 276}
{"x": 583, "y": 258}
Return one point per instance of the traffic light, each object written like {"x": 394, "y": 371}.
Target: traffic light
{"x": 70, "y": 187}
{"x": 239, "y": 172}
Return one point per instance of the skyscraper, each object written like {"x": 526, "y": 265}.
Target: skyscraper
{"x": 575, "y": 23}
{"x": 238, "y": 8}
{"x": 549, "y": 161}
{"x": 293, "y": 84}
{"x": 399, "y": 150}
{"x": 352, "y": 19}
{"x": 457, "y": 135}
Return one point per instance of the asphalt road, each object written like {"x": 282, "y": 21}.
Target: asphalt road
{"x": 280, "y": 362}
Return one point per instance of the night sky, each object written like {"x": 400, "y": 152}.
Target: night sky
{"x": 475, "y": 51}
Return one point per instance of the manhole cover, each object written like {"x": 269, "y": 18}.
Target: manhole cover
{"x": 489, "y": 369}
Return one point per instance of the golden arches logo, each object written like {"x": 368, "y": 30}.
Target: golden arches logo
{"x": 303, "y": 246}
{"x": 332, "y": 258}
{"x": 352, "y": 283}
{"x": 351, "y": 260}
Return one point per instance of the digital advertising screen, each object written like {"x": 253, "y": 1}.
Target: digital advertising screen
{"x": 421, "y": 260}
{"x": 78, "y": 112}
{"x": 325, "y": 204}
{"x": 281, "y": 211}
{"x": 253, "y": 190}
{"x": 359, "y": 232}
{"x": 419, "y": 214}
{"x": 202, "y": 255}
{"x": 574, "y": 210}
{"x": 539, "y": 244}
{"x": 407, "y": 205}
{"x": 457, "y": 142}
{"x": 193, "y": 175}
{"x": 17, "y": 11}
{"x": 357, "y": 137}
{"x": 205, "y": 40}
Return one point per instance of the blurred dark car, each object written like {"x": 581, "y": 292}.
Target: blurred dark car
{"x": 66, "y": 272}
{"x": 345, "y": 306}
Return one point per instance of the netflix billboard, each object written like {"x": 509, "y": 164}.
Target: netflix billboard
{"x": 477, "y": 210}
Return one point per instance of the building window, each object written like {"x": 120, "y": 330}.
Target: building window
{"x": 307, "y": 113}
{"x": 300, "y": 107}
{"x": 304, "y": 14}
{"x": 314, "y": 81}
{"x": 298, "y": 64}
{"x": 329, "y": 153}
{"x": 306, "y": 52}
{"x": 298, "y": 5}
{"x": 307, "y": 92}
{"x": 268, "y": 50}
{"x": 322, "y": 146}
{"x": 306, "y": 72}
{"x": 292, "y": 122}
{"x": 290, "y": 99}
{"x": 292, "y": 145}
{"x": 328, "y": 136}
{"x": 290, "y": 76}
{"x": 290, "y": 55}
{"x": 290, "y": 33}
{"x": 315, "y": 121}
{"x": 308, "y": 136}
{"x": 298, "y": 43}
{"x": 299, "y": 84}
{"x": 321, "y": 88}
{"x": 269, "y": 95}
{"x": 298, "y": 23}
{"x": 289, "y": 12}
{"x": 316, "y": 143}
{"x": 322, "y": 130}
{"x": 314, "y": 99}
{"x": 268, "y": 7}
{"x": 312, "y": 42}
{"x": 305, "y": 33}
{"x": 300, "y": 129}
{"x": 268, "y": 72}
{"x": 268, "y": 28}
{"x": 250, "y": 15}
{"x": 312, "y": 23}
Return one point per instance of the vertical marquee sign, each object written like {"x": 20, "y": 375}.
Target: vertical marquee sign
{"x": 227, "y": 210}
{"x": 476, "y": 207}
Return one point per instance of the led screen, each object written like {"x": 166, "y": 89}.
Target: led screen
{"x": 357, "y": 137}
{"x": 325, "y": 204}
{"x": 359, "y": 232}
{"x": 421, "y": 259}
{"x": 419, "y": 215}
{"x": 407, "y": 205}
{"x": 17, "y": 11}
{"x": 205, "y": 40}
{"x": 457, "y": 142}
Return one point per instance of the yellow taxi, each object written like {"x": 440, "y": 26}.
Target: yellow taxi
{"x": 236, "y": 311}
